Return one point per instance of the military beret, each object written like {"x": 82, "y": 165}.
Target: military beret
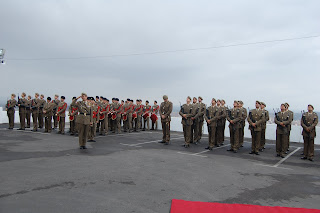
{"x": 240, "y": 102}
{"x": 113, "y": 99}
{"x": 117, "y": 99}
{"x": 29, "y": 96}
{"x": 58, "y": 95}
{"x": 189, "y": 97}
{"x": 147, "y": 101}
{"x": 258, "y": 102}
{"x": 218, "y": 100}
{"x": 213, "y": 99}
{"x": 74, "y": 98}
{"x": 49, "y": 99}
{"x": 286, "y": 105}
{"x": 194, "y": 97}
{"x": 98, "y": 96}
{"x": 37, "y": 94}
{"x": 122, "y": 100}
{"x": 82, "y": 94}
{"x": 107, "y": 99}
{"x": 223, "y": 100}
{"x": 42, "y": 95}
{"x": 156, "y": 101}
{"x": 311, "y": 106}
{"x": 200, "y": 97}
{"x": 14, "y": 95}
{"x": 165, "y": 97}
{"x": 23, "y": 94}
{"x": 128, "y": 99}
{"x": 235, "y": 101}
{"x": 262, "y": 103}
{"x": 62, "y": 97}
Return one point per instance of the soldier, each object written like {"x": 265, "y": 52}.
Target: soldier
{"x": 127, "y": 110}
{"x": 130, "y": 115}
{"x": 61, "y": 115}
{"x": 102, "y": 116}
{"x": 194, "y": 127}
{"x": 56, "y": 102}
{"x": 264, "y": 126}
{"x": 73, "y": 113}
{"x": 186, "y": 114}
{"x": 289, "y": 126}
{"x": 40, "y": 117}
{"x": 282, "y": 119}
{"x": 199, "y": 119}
{"x": 256, "y": 118}
{"x": 10, "y": 110}
{"x": 99, "y": 102}
{"x": 93, "y": 127}
{"x": 154, "y": 117}
{"x": 224, "y": 120}
{"x": 138, "y": 110}
{"x": 107, "y": 119}
{"x": 222, "y": 114}
{"x": 146, "y": 116}
{"x": 244, "y": 114}
{"x": 22, "y": 104}
{"x": 28, "y": 111}
{"x": 234, "y": 117}
{"x": 35, "y": 105}
{"x": 309, "y": 122}
{"x": 47, "y": 112}
{"x": 111, "y": 122}
{"x": 211, "y": 117}
{"x": 121, "y": 119}
{"x": 165, "y": 112}
{"x": 116, "y": 108}
{"x": 84, "y": 119}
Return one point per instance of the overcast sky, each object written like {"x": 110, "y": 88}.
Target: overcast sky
{"x": 272, "y": 72}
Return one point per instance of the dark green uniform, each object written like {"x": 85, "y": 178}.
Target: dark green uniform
{"x": 309, "y": 122}
{"x": 234, "y": 115}
{"x": 222, "y": 114}
{"x": 244, "y": 114}
{"x": 22, "y": 112}
{"x": 165, "y": 113}
{"x": 211, "y": 117}
{"x": 263, "y": 128}
{"x": 282, "y": 132}
{"x": 11, "y": 111}
{"x": 47, "y": 112}
{"x": 186, "y": 110}
{"x": 256, "y": 116}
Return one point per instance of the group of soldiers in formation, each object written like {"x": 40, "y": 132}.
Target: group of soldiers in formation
{"x": 91, "y": 115}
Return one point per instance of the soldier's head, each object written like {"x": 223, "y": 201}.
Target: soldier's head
{"x": 42, "y": 96}
{"x": 213, "y": 102}
{"x": 287, "y": 106}
{"x": 84, "y": 96}
{"x": 165, "y": 98}
{"x": 155, "y": 102}
{"x": 36, "y": 95}
{"x": 107, "y": 100}
{"x": 122, "y": 101}
{"x": 188, "y": 99}
{"x": 147, "y": 102}
{"x": 23, "y": 95}
{"x": 283, "y": 107}
{"x": 97, "y": 98}
{"x": 200, "y": 99}
{"x": 48, "y": 99}
{"x": 257, "y": 104}
{"x": 310, "y": 108}
{"x": 57, "y": 96}
{"x": 218, "y": 102}
{"x": 240, "y": 103}
{"x": 63, "y": 98}
{"x": 117, "y": 100}
{"x": 194, "y": 100}
{"x": 13, "y": 96}
{"x": 235, "y": 103}
{"x": 223, "y": 102}
{"x": 29, "y": 97}
{"x": 262, "y": 105}
{"x": 74, "y": 97}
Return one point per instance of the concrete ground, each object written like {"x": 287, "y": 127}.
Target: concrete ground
{"x": 134, "y": 173}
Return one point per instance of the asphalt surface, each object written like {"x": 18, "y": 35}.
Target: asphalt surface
{"x": 134, "y": 173}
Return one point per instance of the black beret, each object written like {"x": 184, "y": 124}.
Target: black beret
{"x": 156, "y": 101}
{"x": 49, "y": 99}
{"x": 74, "y": 98}
{"x": 62, "y": 97}
{"x": 98, "y": 96}
{"x": 147, "y": 101}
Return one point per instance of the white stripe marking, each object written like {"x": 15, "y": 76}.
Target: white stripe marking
{"x": 281, "y": 161}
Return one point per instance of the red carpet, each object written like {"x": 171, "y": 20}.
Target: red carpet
{"x": 182, "y": 206}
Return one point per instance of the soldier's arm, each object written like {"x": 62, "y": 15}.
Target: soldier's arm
{"x": 228, "y": 117}
{"x": 214, "y": 118}
{"x": 260, "y": 121}
{"x": 180, "y": 112}
{"x": 170, "y": 110}
{"x": 267, "y": 118}
{"x": 315, "y": 122}
{"x": 249, "y": 119}
{"x": 64, "y": 108}
{"x": 276, "y": 120}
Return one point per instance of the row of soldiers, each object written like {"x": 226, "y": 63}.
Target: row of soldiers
{"x": 217, "y": 113}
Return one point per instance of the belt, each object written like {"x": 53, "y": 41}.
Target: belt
{"x": 85, "y": 114}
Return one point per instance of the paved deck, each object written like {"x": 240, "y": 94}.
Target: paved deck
{"x": 133, "y": 173}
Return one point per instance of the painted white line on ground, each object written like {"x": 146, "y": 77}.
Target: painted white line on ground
{"x": 147, "y": 142}
{"x": 282, "y": 160}
{"x": 272, "y": 166}
{"x": 198, "y": 153}
{"x": 271, "y": 144}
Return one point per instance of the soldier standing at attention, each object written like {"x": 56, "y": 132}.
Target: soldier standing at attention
{"x": 107, "y": 119}
{"x": 99, "y": 102}
{"x": 117, "y": 110}
{"x": 40, "y": 117}
{"x": 129, "y": 114}
{"x": 56, "y": 102}
{"x": 255, "y": 119}
{"x": 35, "y": 111}
{"x": 10, "y": 110}
{"x": 126, "y": 111}
{"x": 138, "y": 110}
{"x": 95, "y": 118}
{"x": 165, "y": 112}
{"x": 309, "y": 122}
{"x": 282, "y": 119}
{"x": 28, "y": 111}
{"x": 234, "y": 117}
{"x": 222, "y": 114}
{"x": 244, "y": 114}
{"x": 154, "y": 117}
{"x": 264, "y": 126}
{"x": 211, "y": 117}
{"x": 73, "y": 112}
{"x": 84, "y": 119}
{"x": 186, "y": 114}
{"x": 102, "y": 116}
{"x": 194, "y": 127}
{"x": 22, "y": 104}
{"x": 47, "y": 112}
{"x": 199, "y": 119}
{"x": 289, "y": 126}
{"x": 146, "y": 116}
{"x": 224, "y": 120}
{"x": 61, "y": 113}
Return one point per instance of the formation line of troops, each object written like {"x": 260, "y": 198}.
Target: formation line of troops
{"x": 90, "y": 116}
